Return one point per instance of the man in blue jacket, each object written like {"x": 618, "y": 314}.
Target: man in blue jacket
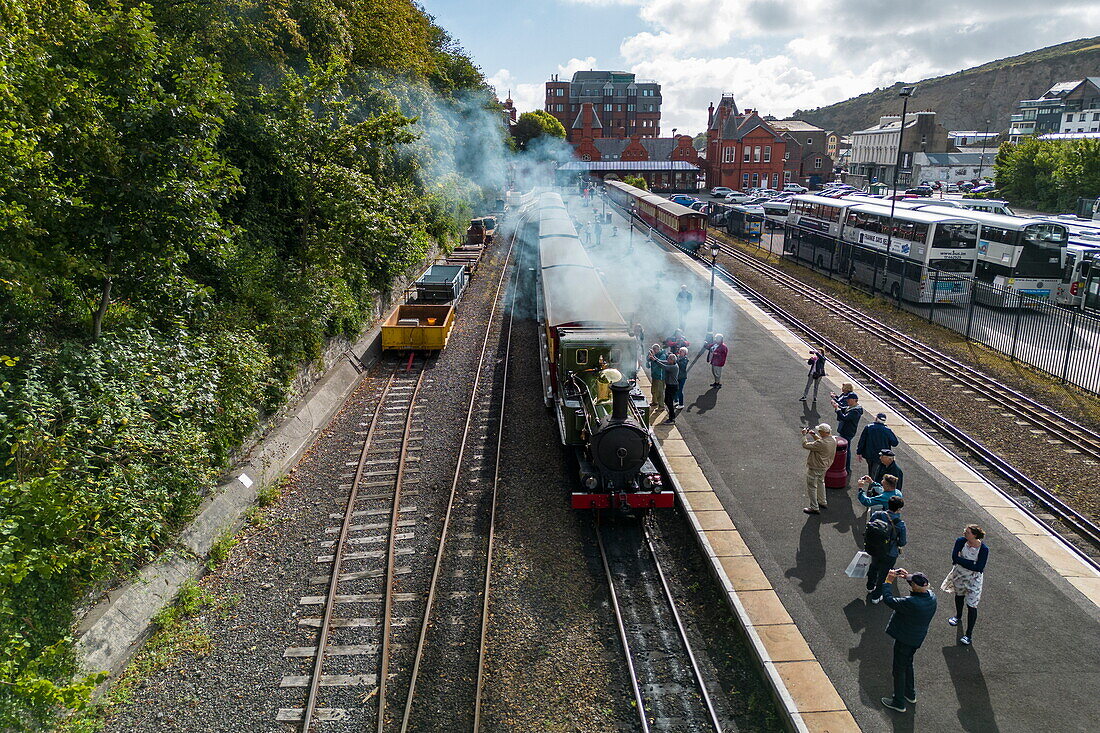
{"x": 908, "y": 625}
{"x": 884, "y": 558}
{"x": 848, "y": 416}
{"x": 874, "y": 438}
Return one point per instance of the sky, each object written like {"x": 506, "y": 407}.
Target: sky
{"x": 772, "y": 55}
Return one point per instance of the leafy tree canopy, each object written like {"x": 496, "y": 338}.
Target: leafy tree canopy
{"x": 533, "y": 125}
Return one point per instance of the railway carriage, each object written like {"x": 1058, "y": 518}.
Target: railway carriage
{"x": 677, "y": 222}
{"x": 587, "y": 355}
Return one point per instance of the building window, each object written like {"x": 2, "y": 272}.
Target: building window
{"x": 729, "y": 154}
{"x": 786, "y": 155}
{"x": 618, "y": 108}
{"x": 745, "y": 181}
{"x": 630, "y": 108}
{"x": 775, "y": 180}
{"x": 767, "y": 153}
{"x": 560, "y": 107}
{"x": 1081, "y": 118}
{"x": 786, "y": 176}
{"x": 607, "y": 92}
{"x": 1096, "y": 117}
{"x": 809, "y": 141}
{"x": 748, "y": 154}
{"x": 559, "y": 92}
{"x": 756, "y": 154}
{"x": 573, "y": 107}
{"x": 631, "y": 92}
{"x": 817, "y": 163}
{"x": 755, "y": 180}
{"x": 1069, "y": 118}
{"x": 607, "y": 107}
{"x": 586, "y": 156}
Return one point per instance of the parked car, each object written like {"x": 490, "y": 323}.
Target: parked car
{"x": 921, "y": 190}
{"x": 699, "y": 206}
{"x": 737, "y": 197}
{"x": 952, "y": 188}
{"x": 984, "y": 188}
{"x": 794, "y": 188}
{"x": 683, "y": 199}
{"x": 722, "y": 191}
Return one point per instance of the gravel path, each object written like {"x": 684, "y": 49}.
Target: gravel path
{"x": 1052, "y": 467}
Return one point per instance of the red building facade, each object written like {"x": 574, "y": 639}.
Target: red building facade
{"x": 743, "y": 150}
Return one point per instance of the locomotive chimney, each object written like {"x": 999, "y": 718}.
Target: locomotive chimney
{"x": 620, "y": 396}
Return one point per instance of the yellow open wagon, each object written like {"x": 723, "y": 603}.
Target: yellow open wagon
{"x": 418, "y": 328}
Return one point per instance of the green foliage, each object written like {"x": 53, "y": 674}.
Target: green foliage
{"x": 636, "y": 181}
{"x": 533, "y": 125}
{"x": 195, "y": 196}
{"x": 219, "y": 551}
{"x": 1049, "y": 175}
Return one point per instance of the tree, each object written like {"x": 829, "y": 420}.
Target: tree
{"x": 636, "y": 182}
{"x": 699, "y": 142}
{"x": 533, "y": 125}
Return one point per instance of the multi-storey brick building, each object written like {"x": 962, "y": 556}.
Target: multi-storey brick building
{"x": 623, "y": 105}
{"x": 743, "y": 150}
{"x": 806, "y": 158}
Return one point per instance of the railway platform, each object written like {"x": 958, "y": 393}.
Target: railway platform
{"x": 736, "y": 454}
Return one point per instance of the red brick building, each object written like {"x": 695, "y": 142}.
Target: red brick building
{"x": 626, "y": 106}
{"x": 667, "y": 163}
{"x": 743, "y": 150}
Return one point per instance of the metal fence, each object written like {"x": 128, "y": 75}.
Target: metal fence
{"x": 1062, "y": 342}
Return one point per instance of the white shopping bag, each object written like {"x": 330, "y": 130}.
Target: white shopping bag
{"x": 857, "y": 568}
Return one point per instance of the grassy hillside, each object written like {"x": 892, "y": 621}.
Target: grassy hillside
{"x": 965, "y": 99}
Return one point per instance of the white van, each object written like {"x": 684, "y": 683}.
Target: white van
{"x": 989, "y": 206}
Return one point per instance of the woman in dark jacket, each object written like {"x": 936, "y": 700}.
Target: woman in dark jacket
{"x": 968, "y": 560}
{"x": 816, "y": 372}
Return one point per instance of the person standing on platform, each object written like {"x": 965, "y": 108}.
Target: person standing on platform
{"x": 888, "y": 466}
{"x": 816, "y": 372}
{"x": 717, "y": 358}
{"x": 840, "y": 399}
{"x": 597, "y": 228}
{"x": 682, "y": 362}
{"x": 672, "y": 382}
{"x": 876, "y": 496}
{"x": 655, "y": 362}
{"x": 821, "y": 444}
{"x": 908, "y": 625}
{"x": 683, "y": 304}
{"x": 968, "y": 560}
{"x": 676, "y": 341}
{"x": 848, "y": 416}
{"x": 882, "y": 540}
{"x": 875, "y": 438}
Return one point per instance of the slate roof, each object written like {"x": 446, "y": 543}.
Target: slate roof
{"x": 630, "y": 165}
{"x": 579, "y": 122}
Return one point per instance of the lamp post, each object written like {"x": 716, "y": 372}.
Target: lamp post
{"x": 710, "y": 307}
{"x": 981, "y": 160}
{"x": 905, "y": 93}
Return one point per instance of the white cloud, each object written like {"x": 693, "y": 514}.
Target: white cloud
{"x": 782, "y": 55}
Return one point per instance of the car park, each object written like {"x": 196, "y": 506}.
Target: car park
{"x": 794, "y": 188}
{"x": 984, "y": 188}
{"x": 721, "y": 191}
{"x": 683, "y": 199}
{"x": 919, "y": 191}
{"x": 737, "y": 197}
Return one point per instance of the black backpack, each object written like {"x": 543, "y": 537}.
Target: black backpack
{"x": 879, "y": 535}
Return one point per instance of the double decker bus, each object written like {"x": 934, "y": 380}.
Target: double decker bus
{"x": 1016, "y": 255}
{"x": 912, "y": 255}
{"x": 813, "y": 229}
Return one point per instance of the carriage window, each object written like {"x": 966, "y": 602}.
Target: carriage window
{"x": 582, "y": 357}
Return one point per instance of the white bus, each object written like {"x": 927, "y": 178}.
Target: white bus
{"x": 920, "y": 256}
{"x": 813, "y": 229}
{"x": 1017, "y": 255}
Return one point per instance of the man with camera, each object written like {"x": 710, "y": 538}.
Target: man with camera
{"x": 908, "y": 625}
{"x": 821, "y": 444}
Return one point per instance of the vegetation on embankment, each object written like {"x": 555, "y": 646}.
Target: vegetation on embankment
{"x": 194, "y": 197}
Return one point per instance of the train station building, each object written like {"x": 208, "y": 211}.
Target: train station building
{"x": 743, "y": 149}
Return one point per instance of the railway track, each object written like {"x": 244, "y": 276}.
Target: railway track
{"x": 407, "y": 587}
{"x": 377, "y": 521}
{"x": 668, "y": 688}
{"x": 1075, "y": 522}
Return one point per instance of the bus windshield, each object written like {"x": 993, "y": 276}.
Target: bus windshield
{"x": 1046, "y": 235}
{"x": 955, "y": 236}
{"x": 966, "y": 266}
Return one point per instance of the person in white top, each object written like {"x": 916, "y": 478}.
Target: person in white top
{"x": 968, "y": 559}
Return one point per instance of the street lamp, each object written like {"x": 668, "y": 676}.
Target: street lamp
{"x": 981, "y": 160}
{"x": 905, "y": 93}
{"x": 710, "y": 308}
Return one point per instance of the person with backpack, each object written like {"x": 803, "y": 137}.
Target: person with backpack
{"x": 816, "y": 361}
{"x": 883, "y": 539}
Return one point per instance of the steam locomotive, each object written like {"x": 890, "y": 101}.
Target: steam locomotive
{"x": 587, "y": 352}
